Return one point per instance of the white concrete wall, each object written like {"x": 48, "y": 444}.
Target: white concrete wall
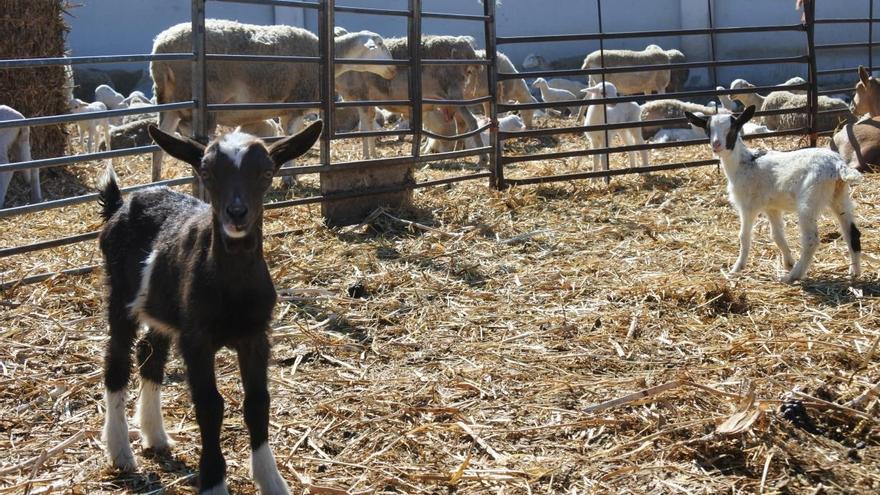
{"x": 104, "y": 27}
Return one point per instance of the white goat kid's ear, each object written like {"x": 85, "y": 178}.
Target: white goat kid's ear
{"x": 295, "y": 146}
{"x": 184, "y": 149}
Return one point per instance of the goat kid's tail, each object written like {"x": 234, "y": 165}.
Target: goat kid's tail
{"x": 109, "y": 195}
{"x": 849, "y": 175}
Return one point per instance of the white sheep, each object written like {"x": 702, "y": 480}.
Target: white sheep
{"x": 795, "y": 81}
{"x": 781, "y": 100}
{"x": 616, "y": 114}
{"x": 805, "y": 181}
{"x": 575, "y": 87}
{"x": 672, "y": 135}
{"x": 508, "y": 90}
{"x": 628, "y": 83}
{"x": 15, "y": 146}
{"x": 136, "y": 97}
{"x": 112, "y": 99}
{"x": 91, "y": 127}
{"x": 671, "y": 109}
{"x": 435, "y": 123}
{"x": 552, "y": 95}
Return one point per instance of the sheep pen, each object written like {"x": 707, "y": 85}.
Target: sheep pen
{"x": 571, "y": 337}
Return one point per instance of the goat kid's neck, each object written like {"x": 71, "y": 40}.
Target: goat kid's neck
{"x": 733, "y": 160}
{"x": 243, "y": 251}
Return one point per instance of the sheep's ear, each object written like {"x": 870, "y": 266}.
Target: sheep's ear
{"x": 745, "y": 116}
{"x": 863, "y": 75}
{"x": 185, "y": 149}
{"x": 701, "y": 122}
{"x": 294, "y": 146}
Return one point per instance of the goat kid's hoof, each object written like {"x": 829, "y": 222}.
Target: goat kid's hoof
{"x": 790, "y": 279}
{"x": 123, "y": 461}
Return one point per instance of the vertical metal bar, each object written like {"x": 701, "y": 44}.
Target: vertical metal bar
{"x": 496, "y": 164}
{"x": 714, "y": 69}
{"x": 813, "y": 98}
{"x": 199, "y": 87}
{"x": 326, "y": 51}
{"x": 604, "y": 107}
{"x": 414, "y": 47}
{"x": 870, "y": 37}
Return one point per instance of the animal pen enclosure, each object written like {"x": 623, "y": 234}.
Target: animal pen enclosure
{"x": 565, "y": 337}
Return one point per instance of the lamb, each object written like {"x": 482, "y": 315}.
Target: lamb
{"x": 673, "y": 135}
{"x": 438, "y": 82}
{"x": 575, "y": 87}
{"x": 193, "y": 273}
{"x": 508, "y": 90}
{"x": 136, "y": 97}
{"x": 552, "y": 95}
{"x": 137, "y": 103}
{"x": 779, "y": 100}
{"x": 253, "y": 82}
{"x": 91, "y": 127}
{"x": 616, "y": 114}
{"x": 15, "y": 146}
{"x": 866, "y": 100}
{"x": 629, "y": 83}
{"x": 111, "y": 99}
{"x": 796, "y": 81}
{"x": 670, "y": 109}
{"x": 806, "y": 181}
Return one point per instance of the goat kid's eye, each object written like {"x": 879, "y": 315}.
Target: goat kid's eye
{"x": 269, "y": 174}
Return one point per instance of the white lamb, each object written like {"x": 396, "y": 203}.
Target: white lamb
{"x": 15, "y": 146}
{"x": 805, "y": 181}
{"x": 551, "y": 95}
{"x": 616, "y": 114}
{"x": 91, "y": 126}
{"x": 112, "y": 100}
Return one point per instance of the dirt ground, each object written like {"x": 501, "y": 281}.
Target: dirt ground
{"x": 476, "y": 343}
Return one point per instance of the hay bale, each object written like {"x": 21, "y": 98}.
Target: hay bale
{"x": 36, "y": 28}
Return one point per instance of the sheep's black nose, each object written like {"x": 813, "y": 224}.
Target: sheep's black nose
{"x": 236, "y": 211}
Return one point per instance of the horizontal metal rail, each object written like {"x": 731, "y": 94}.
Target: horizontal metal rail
{"x": 366, "y": 61}
{"x": 846, "y": 21}
{"x": 840, "y": 46}
{"x": 609, "y": 173}
{"x": 54, "y": 243}
{"x": 363, "y": 134}
{"x": 372, "y": 11}
{"x": 242, "y": 107}
{"x": 456, "y": 17}
{"x": 450, "y": 61}
{"x": 555, "y": 38}
{"x": 103, "y": 59}
{"x": 825, "y": 72}
{"x": 277, "y": 3}
{"x": 77, "y": 117}
{"x": 231, "y": 57}
{"x": 383, "y": 162}
{"x": 372, "y": 103}
{"x": 834, "y": 91}
{"x": 639, "y": 147}
{"x": 503, "y": 107}
{"x": 86, "y": 157}
{"x": 469, "y": 101}
{"x": 802, "y": 59}
{"x": 457, "y": 136}
{"x": 33, "y": 279}
{"x": 85, "y": 198}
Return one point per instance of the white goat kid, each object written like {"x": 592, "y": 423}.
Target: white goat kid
{"x": 616, "y": 114}
{"x": 15, "y": 146}
{"x": 804, "y": 181}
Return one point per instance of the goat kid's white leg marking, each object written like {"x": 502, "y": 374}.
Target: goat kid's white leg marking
{"x": 747, "y": 221}
{"x": 149, "y": 416}
{"x": 136, "y": 306}
{"x": 809, "y": 243}
{"x": 777, "y": 231}
{"x": 265, "y": 472}
{"x": 116, "y": 432}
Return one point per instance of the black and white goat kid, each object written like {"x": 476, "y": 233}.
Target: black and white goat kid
{"x": 805, "y": 181}
{"x": 194, "y": 273}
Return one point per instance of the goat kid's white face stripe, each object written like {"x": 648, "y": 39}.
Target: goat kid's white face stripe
{"x": 235, "y": 145}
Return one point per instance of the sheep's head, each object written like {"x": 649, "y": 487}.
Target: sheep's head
{"x": 723, "y": 130}
{"x": 867, "y": 95}
{"x": 540, "y": 83}
{"x": 237, "y": 170}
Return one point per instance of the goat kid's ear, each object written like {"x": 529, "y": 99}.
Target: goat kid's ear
{"x": 294, "y": 146}
{"x": 863, "y": 75}
{"x": 701, "y": 122}
{"x": 185, "y": 149}
{"x": 745, "y": 116}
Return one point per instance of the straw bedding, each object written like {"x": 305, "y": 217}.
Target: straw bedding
{"x": 568, "y": 338}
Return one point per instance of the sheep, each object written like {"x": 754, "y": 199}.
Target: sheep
{"x": 137, "y": 103}
{"x": 628, "y": 83}
{"x": 112, "y": 100}
{"x": 91, "y": 127}
{"x": 805, "y": 181}
{"x": 15, "y": 146}
{"x": 193, "y": 273}
{"x": 672, "y": 135}
{"x": 866, "y": 100}
{"x": 859, "y": 144}
{"x": 677, "y": 77}
{"x": 248, "y": 82}
{"x": 615, "y": 114}
{"x": 746, "y": 98}
{"x": 438, "y": 82}
{"x": 574, "y": 87}
{"x": 436, "y": 122}
{"x": 780, "y": 100}
{"x": 508, "y": 90}
{"x": 552, "y": 95}
{"x": 339, "y": 31}
{"x": 796, "y": 81}
{"x": 136, "y": 97}
{"x": 670, "y": 109}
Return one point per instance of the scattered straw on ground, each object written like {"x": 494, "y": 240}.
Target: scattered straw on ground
{"x": 566, "y": 338}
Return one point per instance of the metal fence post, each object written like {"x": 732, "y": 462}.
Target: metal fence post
{"x": 871, "y": 37}
{"x": 496, "y": 162}
{"x": 813, "y": 98}
{"x": 328, "y": 55}
{"x": 199, "y": 88}
{"x": 414, "y": 46}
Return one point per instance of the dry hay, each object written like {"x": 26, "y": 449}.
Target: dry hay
{"x": 36, "y": 29}
{"x": 565, "y": 338}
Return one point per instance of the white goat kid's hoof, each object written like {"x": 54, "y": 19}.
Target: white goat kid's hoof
{"x": 264, "y": 470}
{"x": 736, "y": 268}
